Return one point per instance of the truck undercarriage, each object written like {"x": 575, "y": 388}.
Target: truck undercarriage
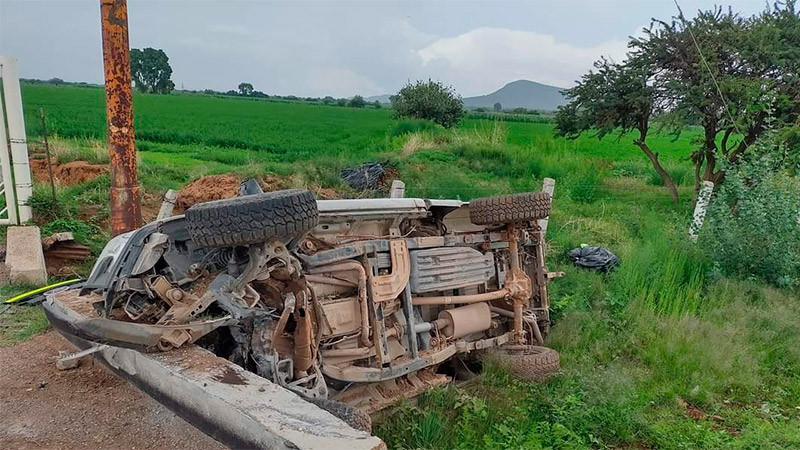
{"x": 351, "y": 304}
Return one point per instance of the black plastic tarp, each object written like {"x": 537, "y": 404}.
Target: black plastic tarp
{"x": 597, "y": 258}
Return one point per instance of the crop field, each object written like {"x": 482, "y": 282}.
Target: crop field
{"x": 663, "y": 352}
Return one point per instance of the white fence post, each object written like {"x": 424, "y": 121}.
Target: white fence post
{"x": 548, "y": 186}
{"x": 703, "y": 199}
{"x": 8, "y": 212}
{"x": 16, "y": 136}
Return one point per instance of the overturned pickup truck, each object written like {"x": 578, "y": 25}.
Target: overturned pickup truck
{"x": 351, "y": 304}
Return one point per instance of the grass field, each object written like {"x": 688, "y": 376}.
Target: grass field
{"x": 661, "y": 353}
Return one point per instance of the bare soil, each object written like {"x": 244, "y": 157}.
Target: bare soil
{"x": 205, "y": 189}
{"x": 67, "y": 174}
{"x": 87, "y": 407}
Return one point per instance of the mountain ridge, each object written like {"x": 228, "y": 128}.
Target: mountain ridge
{"x": 516, "y": 94}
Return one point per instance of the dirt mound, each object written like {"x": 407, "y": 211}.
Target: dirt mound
{"x": 87, "y": 407}
{"x": 76, "y": 172}
{"x": 67, "y": 174}
{"x": 211, "y": 187}
{"x": 216, "y": 187}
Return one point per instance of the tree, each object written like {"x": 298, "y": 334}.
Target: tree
{"x": 357, "y": 102}
{"x": 430, "y": 100}
{"x": 328, "y": 100}
{"x": 376, "y": 104}
{"x": 747, "y": 76}
{"x": 246, "y": 89}
{"x": 151, "y": 71}
{"x": 498, "y": 107}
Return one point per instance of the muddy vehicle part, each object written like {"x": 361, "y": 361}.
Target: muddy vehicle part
{"x": 362, "y": 301}
{"x": 225, "y": 401}
{"x": 510, "y": 208}
{"x": 526, "y": 362}
{"x": 252, "y": 218}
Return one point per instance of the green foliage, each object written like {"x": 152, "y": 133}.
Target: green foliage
{"x": 45, "y": 207}
{"x": 151, "y": 71}
{"x": 245, "y": 89}
{"x": 429, "y": 100}
{"x": 752, "y": 225}
{"x": 80, "y": 230}
{"x": 751, "y": 86}
{"x": 357, "y": 102}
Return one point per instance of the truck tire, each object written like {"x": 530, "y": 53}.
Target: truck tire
{"x": 509, "y": 208}
{"x": 526, "y": 362}
{"x": 349, "y": 414}
{"x": 252, "y": 219}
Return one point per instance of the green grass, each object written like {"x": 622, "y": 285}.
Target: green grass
{"x": 642, "y": 347}
{"x": 19, "y": 323}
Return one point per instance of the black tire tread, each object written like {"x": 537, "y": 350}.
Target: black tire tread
{"x": 509, "y": 208}
{"x": 252, "y": 219}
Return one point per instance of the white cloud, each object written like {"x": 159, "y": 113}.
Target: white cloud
{"x": 484, "y": 59}
{"x": 338, "y": 82}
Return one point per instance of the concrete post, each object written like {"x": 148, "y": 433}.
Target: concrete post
{"x": 548, "y": 186}
{"x": 703, "y": 199}
{"x": 6, "y": 182}
{"x": 16, "y": 136}
{"x": 398, "y": 189}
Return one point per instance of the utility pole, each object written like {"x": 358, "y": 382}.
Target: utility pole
{"x": 126, "y": 210}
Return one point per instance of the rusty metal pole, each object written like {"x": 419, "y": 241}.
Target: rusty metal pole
{"x": 126, "y": 211}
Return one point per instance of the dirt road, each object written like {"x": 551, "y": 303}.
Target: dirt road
{"x": 88, "y": 407}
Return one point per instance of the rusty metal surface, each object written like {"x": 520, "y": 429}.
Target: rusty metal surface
{"x": 126, "y": 214}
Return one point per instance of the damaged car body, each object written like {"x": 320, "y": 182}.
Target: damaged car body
{"x": 356, "y": 303}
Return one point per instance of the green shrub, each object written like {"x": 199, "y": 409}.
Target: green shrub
{"x": 44, "y": 206}
{"x": 81, "y": 231}
{"x": 752, "y": 226}
{"x": 429, "y": 100}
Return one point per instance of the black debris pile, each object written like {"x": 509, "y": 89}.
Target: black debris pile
{"x": 597, "y": 258}
{"x": 366, "y": 176}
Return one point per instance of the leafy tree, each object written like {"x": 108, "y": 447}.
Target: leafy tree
{"x": 377, "y": 105}
{"x": 665, "y": 82}
{"x": 328, "y": 100}
{"x": 430, "y": 100}
{"x": 151, "y": 71}
{"x": 56, "y": 81}
{"x": 357, "y": 102}
{"x": 246, "y": 89}
{"x": 341, "y": 102}
{"x": 498, "y": 107}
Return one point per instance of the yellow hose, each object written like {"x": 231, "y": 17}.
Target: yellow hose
{"x": 19, "y": 297}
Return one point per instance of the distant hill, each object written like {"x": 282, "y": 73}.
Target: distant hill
{"x": 521, "y": 94}
{"x": 380, "y": 98}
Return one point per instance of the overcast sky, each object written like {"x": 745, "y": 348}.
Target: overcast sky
{"x": 339, "y": 48}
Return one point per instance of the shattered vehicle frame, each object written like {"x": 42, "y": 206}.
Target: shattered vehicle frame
{"x": 351, "y": 304}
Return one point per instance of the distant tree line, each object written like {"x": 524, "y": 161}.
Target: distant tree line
{"x": 247, "y": 90}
